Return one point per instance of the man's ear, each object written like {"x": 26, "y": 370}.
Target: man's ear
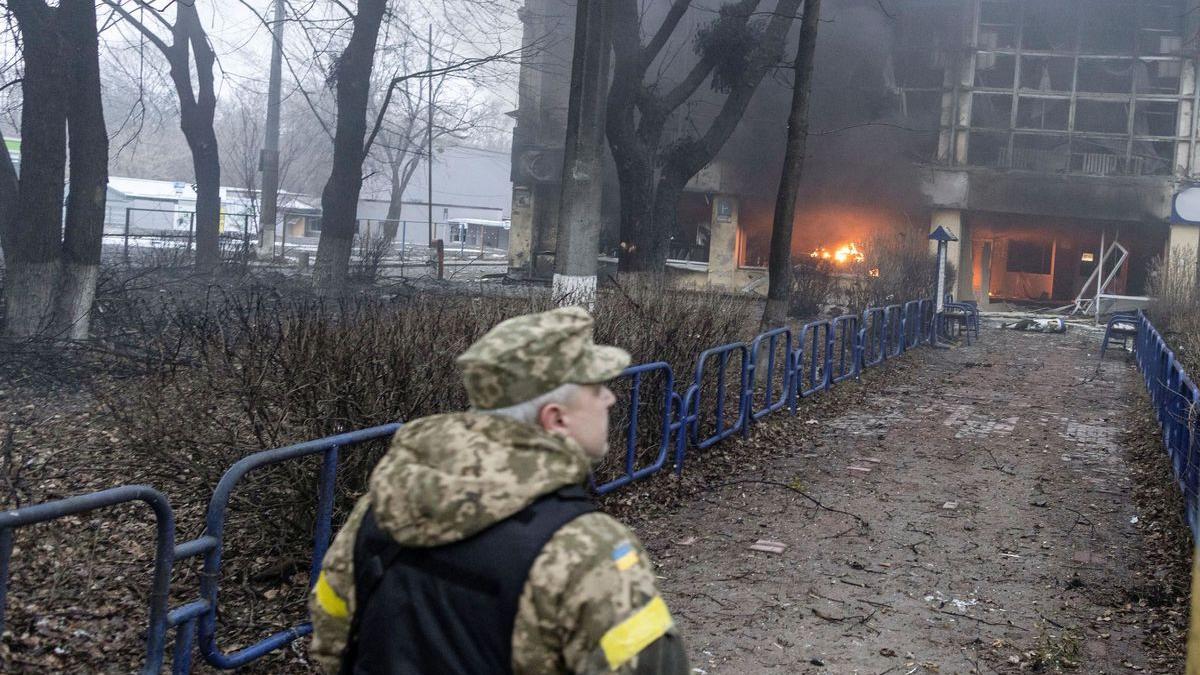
{"x": 552, "y": 417}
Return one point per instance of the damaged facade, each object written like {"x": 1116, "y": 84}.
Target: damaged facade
{"x": 1032, "y": 130}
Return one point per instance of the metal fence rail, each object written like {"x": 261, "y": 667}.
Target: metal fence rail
{"x": 733, "y": 386}
{"x": 1176, "y": 402}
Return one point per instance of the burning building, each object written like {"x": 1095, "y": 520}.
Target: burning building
{"x": 1050, "y": 137}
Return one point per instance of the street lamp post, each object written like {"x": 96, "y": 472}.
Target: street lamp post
{"x": 943, "y": 237}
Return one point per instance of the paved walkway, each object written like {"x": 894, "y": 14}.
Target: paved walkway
{"x": 997, "y": 522}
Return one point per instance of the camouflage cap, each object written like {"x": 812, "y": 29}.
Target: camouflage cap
{"x": 527, "y": 356}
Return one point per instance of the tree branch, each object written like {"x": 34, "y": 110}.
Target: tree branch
{"x": 149, "y": 34}
{"x": 440, "y": 71}
{"x": 650, "y": 52}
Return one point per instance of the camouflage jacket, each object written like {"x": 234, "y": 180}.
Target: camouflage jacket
{"x": 589, "y": 604}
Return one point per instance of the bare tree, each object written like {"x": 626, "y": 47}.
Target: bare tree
{"x": 399, "y": 147}
{"x": 780, "y": 262}
{"x": 52, "y": 268}
{"x": 189, "y": 55}
{"x": 735, "y": 51}
{"x": 352, "y": 74}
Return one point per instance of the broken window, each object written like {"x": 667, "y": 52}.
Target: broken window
{"x": 1098, "y": 157}
{"x": 999, "y": 12}
{"x": 1157, "y": 118}
{"x": 988, "y": 148}
{"x": 1106, "y": 76}
{"x": 1160, "y": 16}
{"x": 995, "y": 70}
{"x": 1108, "y": 26}
{"x": 993, "y": 111}
{"x": 1106, "y": 117}
{"x": 1031, "y": 257}
{"x": 1048, "y": 153}
{"x": 1048, "y": 26}
{"x": 1043, "y": 113}
{"x": 1159, "y": 76}
{"x": 998, "y": 24}
{"x": 1152, "y": 158}
{"x": 1047, "y": 73}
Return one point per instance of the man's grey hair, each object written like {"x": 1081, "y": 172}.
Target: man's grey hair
{"x": 528, "y": 411}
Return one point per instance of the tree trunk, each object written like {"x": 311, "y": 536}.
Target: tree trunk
{"x": 197, "y": 113}
{"x": 780, "y": 262}
{"x": 339, "y": 200}
{"x": 8, "y": 196}
{"x": 84, "y": 232}
{"x": 35, "y": 238}
{"x": 402, "y": 173}
{"x": 206, "y": 163}
{"x": 578, "y": 242}
{"x": 632, "y": 156}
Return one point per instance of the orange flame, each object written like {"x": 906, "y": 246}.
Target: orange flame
{"x": 847, "y": 253}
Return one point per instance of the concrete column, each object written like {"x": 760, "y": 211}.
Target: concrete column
{"x": 958, "y": 252}
{"x": 1184, "y": 243}
{"x": 725, "y": 244}
{"x": 520, "y": 233}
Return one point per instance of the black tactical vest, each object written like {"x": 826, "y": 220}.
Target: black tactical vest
{"x": 448, "y": 609}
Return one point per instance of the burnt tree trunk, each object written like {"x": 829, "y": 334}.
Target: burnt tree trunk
{"x": 33, "y": 253}
{"x": 88, "y": 145}
{"x": 339, "y": 199}
{"x": 779, "y": 265}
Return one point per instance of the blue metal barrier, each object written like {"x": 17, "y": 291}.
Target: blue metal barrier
{"x": 873, "y": 342}
{"x": 893, "y": 321}
{"x": 772, "y": 371}
{"x": 694, "y": 419}
{"x": 164, "y": 551}
{"x": 815, "y": 358}
{"x": 929, "y": 320}
{"x": 826, "y": 353}
{"x": 912, "y": 324}
{"x": 847, "y": 358}
{"x": 1176, "y": 402}
{"x": 671, "y": 403}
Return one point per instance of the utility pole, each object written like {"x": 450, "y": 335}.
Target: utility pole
{"x": 268, "y": 162}
{"x": 429, "y": 135}
{"x": 579, "y": 220}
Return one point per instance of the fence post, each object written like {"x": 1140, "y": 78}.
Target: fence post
{"x": 191, "y": 226}
{"x": 403, "y": 244}
{"x": 126, "y": 235}
{"x": 6, "y": 545}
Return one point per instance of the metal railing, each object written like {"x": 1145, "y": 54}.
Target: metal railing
{"x": 733, "y": 386}
{"x": 1176, "y": 402}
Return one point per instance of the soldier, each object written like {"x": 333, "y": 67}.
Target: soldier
{"x": 476, "y": 548}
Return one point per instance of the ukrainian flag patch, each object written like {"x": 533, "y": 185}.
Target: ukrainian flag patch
{"x": 624, "y": 556}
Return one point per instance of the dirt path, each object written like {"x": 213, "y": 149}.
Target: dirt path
{"x": 997, "y": 526}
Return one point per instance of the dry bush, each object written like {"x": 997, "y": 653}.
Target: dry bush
{"x": 1176, "y": 306}
{"x": 371, "y": 251}
{"x": 812, "y": 281}
{"x": 236, "y": 372}
{"x": 896, "y": 268}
